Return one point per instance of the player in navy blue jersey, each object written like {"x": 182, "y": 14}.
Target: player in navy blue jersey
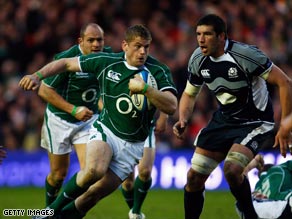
{"x": 237, "y": 74}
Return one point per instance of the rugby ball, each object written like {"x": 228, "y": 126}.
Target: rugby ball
{"x": 140, "y": 101}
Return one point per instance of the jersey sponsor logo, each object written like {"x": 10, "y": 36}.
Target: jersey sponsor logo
{"x": 81, "y": 75}
{"x": 205, "y": 73}
{"x": 232, "y": 73}
{"x": 113, "y": 76}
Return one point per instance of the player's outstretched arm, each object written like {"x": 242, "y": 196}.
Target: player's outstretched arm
{"x": 32, "y": 81}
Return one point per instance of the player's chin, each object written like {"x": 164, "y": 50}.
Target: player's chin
{"x": 140, "y": 62}
{"x": 95, "y": 51}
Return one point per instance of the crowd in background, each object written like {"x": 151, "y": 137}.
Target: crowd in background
{"x": 32, "y": 31}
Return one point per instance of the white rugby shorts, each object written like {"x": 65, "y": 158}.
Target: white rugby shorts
{"x": 126, "y": 155}
{"x": 58, "y": 136}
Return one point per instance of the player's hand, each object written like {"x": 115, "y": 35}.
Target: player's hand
{"x": 29, "y": 82}
{"x": 179, "y": 128}
{"x": 83, "y": 113}
{"x": 136, "y": 85}
{"x": 161, "y": 123}
{"x": 283, "y": 139}
{"x": 259, "y": 162}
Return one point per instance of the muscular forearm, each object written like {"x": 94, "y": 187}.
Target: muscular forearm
{"x": 186, "y": 107}
{"x": 163, "y": 101}
{"x": 52, "y": 97}
{"x": 285, "y": 93}
{"x": 58, "y": 66}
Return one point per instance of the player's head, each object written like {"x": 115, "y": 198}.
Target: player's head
{"x": 136, "y": 45}
{"x": 265, "y": 168}
{"x": 217, "y": 23}
{"x": 91, "y": 38}
{"x": 211, "y": 35}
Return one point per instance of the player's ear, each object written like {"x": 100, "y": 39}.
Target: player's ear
{"x": 124, "y": 45}
{"x": 79, "y": 40}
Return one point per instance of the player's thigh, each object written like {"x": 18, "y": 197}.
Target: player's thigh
{"x": 98, "y": 156}
{"x": 55, "y": 134}
{"x": 59, "y": 162}
{"x": 81, "y": 154}
{"x": 242, "y": 149}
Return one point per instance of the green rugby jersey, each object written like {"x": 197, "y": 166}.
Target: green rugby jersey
{"x": 79, "y": 88}
{"x": 113, "y": 73}
{"x": 276, "y": 183}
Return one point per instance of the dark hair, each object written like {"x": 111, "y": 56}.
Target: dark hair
{"x": 265, "y": 168}
{"x": 135, "y": 31}
{"x": 214, "y": 20}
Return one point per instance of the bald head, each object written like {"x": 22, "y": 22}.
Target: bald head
{"x": 91, "y": 38}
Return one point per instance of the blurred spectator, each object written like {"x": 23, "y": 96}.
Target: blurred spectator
{"x": 32, "y": 31}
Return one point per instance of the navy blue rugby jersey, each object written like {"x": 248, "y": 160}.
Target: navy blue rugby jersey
{"x": 236, "y": 79}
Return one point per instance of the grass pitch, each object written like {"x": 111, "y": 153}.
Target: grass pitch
{"x": 159, "y": 204}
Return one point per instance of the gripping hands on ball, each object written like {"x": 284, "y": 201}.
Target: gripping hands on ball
{"x": 136, "y": 85}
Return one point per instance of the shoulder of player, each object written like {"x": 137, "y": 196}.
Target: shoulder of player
{"x": 71, "y": 52}
{"x": 107, "y": 49}
{"x": 153, "y": 62}
{"x": 197, "y": 57}
{"x": 103, "y": 56}
{"x": 240, "y": 49}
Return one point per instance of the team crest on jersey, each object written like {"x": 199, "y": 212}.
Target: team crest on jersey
{"x": 232, "y": 73}
{"x": 254, "y": 145}
{"x": 205, "y": 73}
{"x": 113, "y": 76}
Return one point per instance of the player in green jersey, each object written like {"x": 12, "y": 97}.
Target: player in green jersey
{"x": 117, "y": 137}
{"x": 71, "y": 110}
{"x": 134, "y": 190}
{"x": 272, "y": 195}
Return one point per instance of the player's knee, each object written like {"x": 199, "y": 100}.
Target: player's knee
{"x": 233, "y": 167}
{"x": 195, "y": 180}
{"x": 91, "y": 175}
{"x": 128, "y": 184}
{"x": 57, "y": 177}
{"x": 145, "y": 174}
{"x": 203, "y": 164}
